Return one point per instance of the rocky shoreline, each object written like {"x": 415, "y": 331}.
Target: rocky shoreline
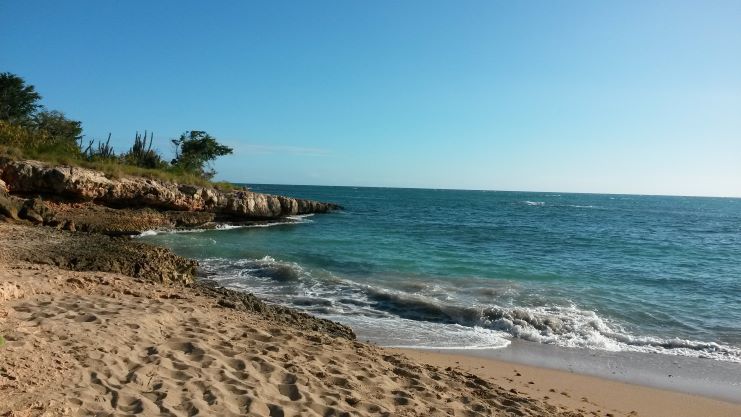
{"x": 69, "y": 222}
{"x": 77, "y": 198}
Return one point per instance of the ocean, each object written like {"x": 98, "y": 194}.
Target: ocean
{"x": 450, "y": 269}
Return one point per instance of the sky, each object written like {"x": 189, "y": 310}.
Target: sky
{"x": 638, "y": 97}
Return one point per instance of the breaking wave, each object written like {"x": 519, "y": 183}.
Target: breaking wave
{"x": 268, "y": 267}
{"x": 406, "y": 318}
{"x": 562, "y": 326}
{"x": 287, "y": 221}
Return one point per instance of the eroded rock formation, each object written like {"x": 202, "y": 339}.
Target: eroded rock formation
{"x": 81, "y": 184}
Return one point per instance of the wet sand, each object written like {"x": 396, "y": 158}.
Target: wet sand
{"x": 578, "y": 391}
{"x": 698, "y": 376}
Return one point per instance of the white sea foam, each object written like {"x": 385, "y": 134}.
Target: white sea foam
{"x": 543, "y": 203}
{"x": 574, "y": 327}
{"x": 411, "y": 319}
{"x": 301, "y": 217}
{"x": 404, "y": 333}
{"x": 154, "y": 232}
{"x": 269, "y": 224}
{"x": 289, "y": 220}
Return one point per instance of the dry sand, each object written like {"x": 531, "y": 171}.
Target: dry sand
{"x": 95, "y": 343}
{"x": 92, "y": 343}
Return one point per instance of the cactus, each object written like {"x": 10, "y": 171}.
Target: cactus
{"x": 141, "y": 153}
{"x": 103, "y": 151}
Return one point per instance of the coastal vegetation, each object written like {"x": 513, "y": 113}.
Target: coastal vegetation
{"x": 29, "y": 130}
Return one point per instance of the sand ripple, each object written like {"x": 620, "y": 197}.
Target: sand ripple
{"x": 102, "y": 344}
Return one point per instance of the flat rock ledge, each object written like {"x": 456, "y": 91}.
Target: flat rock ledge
{"x": 79, "y": 251}
{"x": 28, "y": 177}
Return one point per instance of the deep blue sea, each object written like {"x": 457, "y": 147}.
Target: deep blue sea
{"x": 476, "y": 269}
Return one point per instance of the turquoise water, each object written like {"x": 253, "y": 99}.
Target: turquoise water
{"x": 476, "y": 269}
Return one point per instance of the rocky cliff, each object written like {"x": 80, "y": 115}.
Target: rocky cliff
{"x": 85, "y": 185}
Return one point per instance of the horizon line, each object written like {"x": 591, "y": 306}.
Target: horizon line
{"x": 491, "y": 190}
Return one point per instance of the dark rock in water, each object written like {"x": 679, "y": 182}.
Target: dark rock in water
{"x": 80, "y": 184}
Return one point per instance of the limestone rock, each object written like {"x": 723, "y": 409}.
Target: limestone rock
{"x": 81, "y": 184}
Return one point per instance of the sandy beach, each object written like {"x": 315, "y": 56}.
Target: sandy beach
{"x": 95, "y": 343}
{"x": 82, "y": 343}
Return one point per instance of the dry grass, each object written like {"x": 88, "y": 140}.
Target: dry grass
{"x": 115, "y": 169}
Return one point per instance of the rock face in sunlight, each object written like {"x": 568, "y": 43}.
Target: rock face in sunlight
{"x": 81, "y": 184}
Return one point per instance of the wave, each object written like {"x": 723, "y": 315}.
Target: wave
{"x": 542, "y": 203}
{"x": 301, "y": 217}
{"x": 263, "y": 268}
{"x": 409, "y": 319}
{"x": 557, "y": 325}
{"x": 288, "y": 220}
{"x": 267, "y": 267}
{"x": 347, "y": 302}
{"x": 154, "y": 232}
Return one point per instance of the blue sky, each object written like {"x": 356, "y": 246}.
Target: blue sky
{"x": 583, "y": 96}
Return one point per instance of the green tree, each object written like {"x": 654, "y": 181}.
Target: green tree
{"x": 58, "y": 126}
{"x": 195, "y": 150}
{"x": 18, "y": 101}
{"x": 60, "y": 132}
